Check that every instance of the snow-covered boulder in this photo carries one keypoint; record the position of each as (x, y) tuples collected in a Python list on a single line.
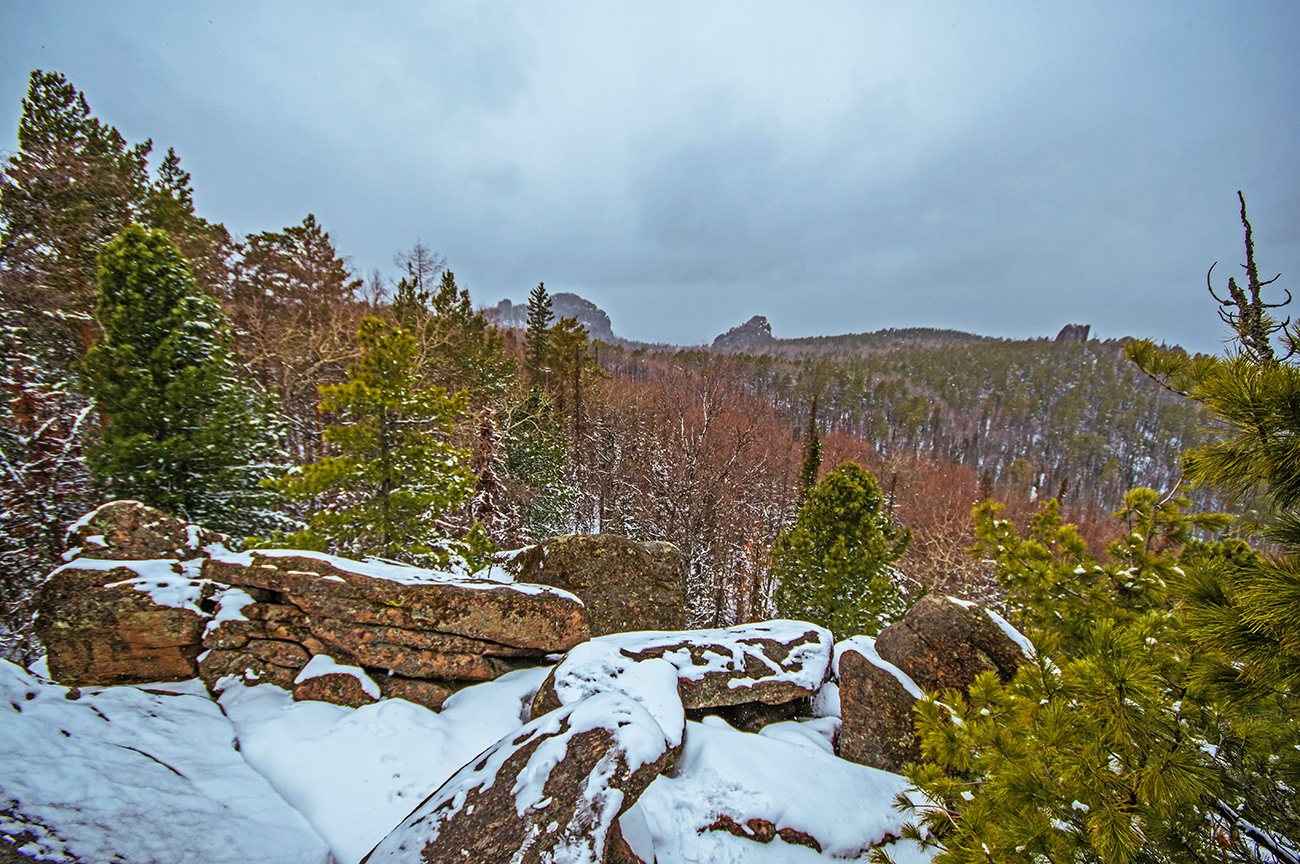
[(772, 662), (131, 604), (114, 622), (132, 531), (876, 701), (625, 584), (125, 775), (772, 798), (549, 792), (944, 642), (423, 634)]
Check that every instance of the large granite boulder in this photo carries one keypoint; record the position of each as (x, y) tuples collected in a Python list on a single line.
[(944, 642), (876, 702), (131, 605), (626, 585), (549, 792), (772, 662), (122, 622), (410, 599)]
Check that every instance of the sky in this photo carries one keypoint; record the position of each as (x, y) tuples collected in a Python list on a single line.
[(995, 167)]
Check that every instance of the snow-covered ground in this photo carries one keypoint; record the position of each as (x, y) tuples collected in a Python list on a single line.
[(164, 773)]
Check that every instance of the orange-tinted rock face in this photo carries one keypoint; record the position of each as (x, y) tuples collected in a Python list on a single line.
[(149, 598), (98, 635)]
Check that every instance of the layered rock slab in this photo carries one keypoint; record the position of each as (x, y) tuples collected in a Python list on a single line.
[(549, 792), (410, 598), (772, 662), (424, 634), (626, 585)]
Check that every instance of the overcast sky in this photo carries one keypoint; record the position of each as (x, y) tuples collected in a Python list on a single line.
[(1000, 168)]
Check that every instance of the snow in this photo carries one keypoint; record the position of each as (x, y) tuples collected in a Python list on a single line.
[(310, 779), (323, 664), (1013, 634), (636, 736), (866, 646), (230, 607), (724, 772), (403, 574), (168, 582), (598, 666), (826, 702), (75, 773), (355, 773)]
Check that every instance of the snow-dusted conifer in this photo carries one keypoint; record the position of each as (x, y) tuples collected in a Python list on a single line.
[(391, 474), (179, 432), (834, 562)]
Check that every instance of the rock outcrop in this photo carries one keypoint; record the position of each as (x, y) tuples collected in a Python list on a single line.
[(550, 792), (430, 633), (131, 604), (1077, 333), (119, 613), (563, 305), (755, 331), (625, 585), (943, 642)]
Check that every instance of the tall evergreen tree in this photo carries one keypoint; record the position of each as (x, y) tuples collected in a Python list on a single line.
[(390, 475), (295, 308), (537, 335), (179, 432), (72, 184), (833, 564), (571, 364), (207, 246), (461, 350)]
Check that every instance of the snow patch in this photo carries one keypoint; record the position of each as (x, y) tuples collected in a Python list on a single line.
[(323, 664), (143, 776)]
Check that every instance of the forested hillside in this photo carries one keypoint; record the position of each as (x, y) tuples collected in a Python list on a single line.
[(1041, 418), (542, 431)]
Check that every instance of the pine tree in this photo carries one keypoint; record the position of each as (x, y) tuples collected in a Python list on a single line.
[(462, 350), (179, 432), (295, 307), (537, 336), (833, 564), (1244, 610), (1095, 752), (391, 474), (571, 364), (169, 205), (72, 185)]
